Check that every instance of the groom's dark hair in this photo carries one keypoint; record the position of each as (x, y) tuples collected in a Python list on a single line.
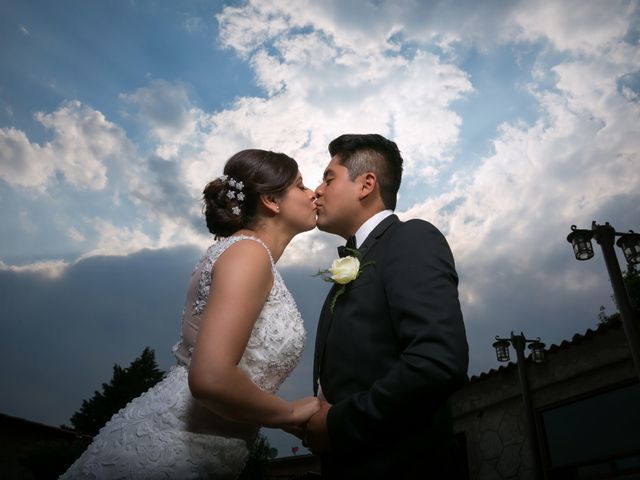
[(361, 153)]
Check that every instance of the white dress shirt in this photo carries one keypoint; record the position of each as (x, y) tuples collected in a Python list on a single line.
[(367, 227)]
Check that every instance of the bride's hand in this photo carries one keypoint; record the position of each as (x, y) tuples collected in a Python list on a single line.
[(303, 410)]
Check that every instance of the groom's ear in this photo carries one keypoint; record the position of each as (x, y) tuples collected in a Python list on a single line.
[(368, 183)]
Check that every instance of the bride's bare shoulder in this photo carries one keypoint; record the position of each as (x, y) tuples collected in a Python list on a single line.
[(244, 257)]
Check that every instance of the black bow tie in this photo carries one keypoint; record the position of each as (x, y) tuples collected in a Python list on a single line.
[(351, 243)]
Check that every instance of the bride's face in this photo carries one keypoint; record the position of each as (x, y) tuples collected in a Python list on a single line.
[(298, 206)]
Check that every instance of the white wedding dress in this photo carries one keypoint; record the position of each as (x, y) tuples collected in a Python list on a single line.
[(165, 433)]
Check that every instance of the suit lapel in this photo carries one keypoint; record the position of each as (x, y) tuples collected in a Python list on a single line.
[(375, 235), (326, 316)]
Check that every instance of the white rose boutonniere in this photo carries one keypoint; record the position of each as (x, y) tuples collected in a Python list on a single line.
[(342, 272)]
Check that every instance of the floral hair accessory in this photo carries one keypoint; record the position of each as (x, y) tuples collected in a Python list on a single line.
[(342, 272), (235, 184), (234, 192)]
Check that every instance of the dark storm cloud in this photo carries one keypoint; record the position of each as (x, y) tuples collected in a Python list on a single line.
[(62, 336)]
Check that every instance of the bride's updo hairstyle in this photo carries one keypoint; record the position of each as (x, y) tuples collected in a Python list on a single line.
[(231, 201)]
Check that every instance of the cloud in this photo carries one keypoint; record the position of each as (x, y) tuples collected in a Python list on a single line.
[(159, 231), (579, 154), (316, 88), (590, 27), (325, 71), (247, 27), (507, 219), (87, 150), (365, 27), (21, 163), (539, 180), (119, 240), (75, 235), (49, 268), (82, 144), (164, 108), (333, 67), (308, 63), (359, 27), (310, 250)]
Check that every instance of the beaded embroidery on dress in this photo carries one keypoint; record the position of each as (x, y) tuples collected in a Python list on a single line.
[(165, 433)]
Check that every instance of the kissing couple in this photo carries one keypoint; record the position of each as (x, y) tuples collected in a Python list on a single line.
[(390, 348)]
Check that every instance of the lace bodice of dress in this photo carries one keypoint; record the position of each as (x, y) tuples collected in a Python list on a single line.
[(278, 336)]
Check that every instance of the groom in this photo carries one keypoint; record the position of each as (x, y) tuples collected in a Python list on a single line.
[(393, 348)]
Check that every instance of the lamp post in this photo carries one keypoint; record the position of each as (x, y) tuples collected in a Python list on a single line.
[(537, 355), (630, 244)]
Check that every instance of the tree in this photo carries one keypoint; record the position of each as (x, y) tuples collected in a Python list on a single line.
[(125, 385), (632, 283)]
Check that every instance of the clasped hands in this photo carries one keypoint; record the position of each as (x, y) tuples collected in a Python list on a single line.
[(312, 425)]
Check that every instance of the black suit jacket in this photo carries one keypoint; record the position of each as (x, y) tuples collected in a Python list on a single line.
[(390, 355)]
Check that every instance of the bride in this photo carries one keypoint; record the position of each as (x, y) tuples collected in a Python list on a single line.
[(241, 337)]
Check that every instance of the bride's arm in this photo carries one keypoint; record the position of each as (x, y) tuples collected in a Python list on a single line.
[(241, 281)]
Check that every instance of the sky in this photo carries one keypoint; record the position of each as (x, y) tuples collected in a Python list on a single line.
[(515, 119)]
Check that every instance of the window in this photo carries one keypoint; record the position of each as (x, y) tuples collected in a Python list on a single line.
[(595, 437)]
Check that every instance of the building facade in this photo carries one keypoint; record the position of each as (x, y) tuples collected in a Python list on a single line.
[(586, 402)]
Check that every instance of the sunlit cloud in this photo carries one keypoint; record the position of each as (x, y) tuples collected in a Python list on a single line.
[(83, 142), (325, 71), (114, 240), (52, 269)]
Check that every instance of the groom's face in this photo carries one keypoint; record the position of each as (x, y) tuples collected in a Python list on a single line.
[(337, 200)]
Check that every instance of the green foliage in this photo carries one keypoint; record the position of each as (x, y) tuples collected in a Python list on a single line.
[(632, 283), (125, 385), (259, 456)]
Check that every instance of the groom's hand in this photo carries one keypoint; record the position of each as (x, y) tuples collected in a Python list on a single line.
[(317, 436)]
